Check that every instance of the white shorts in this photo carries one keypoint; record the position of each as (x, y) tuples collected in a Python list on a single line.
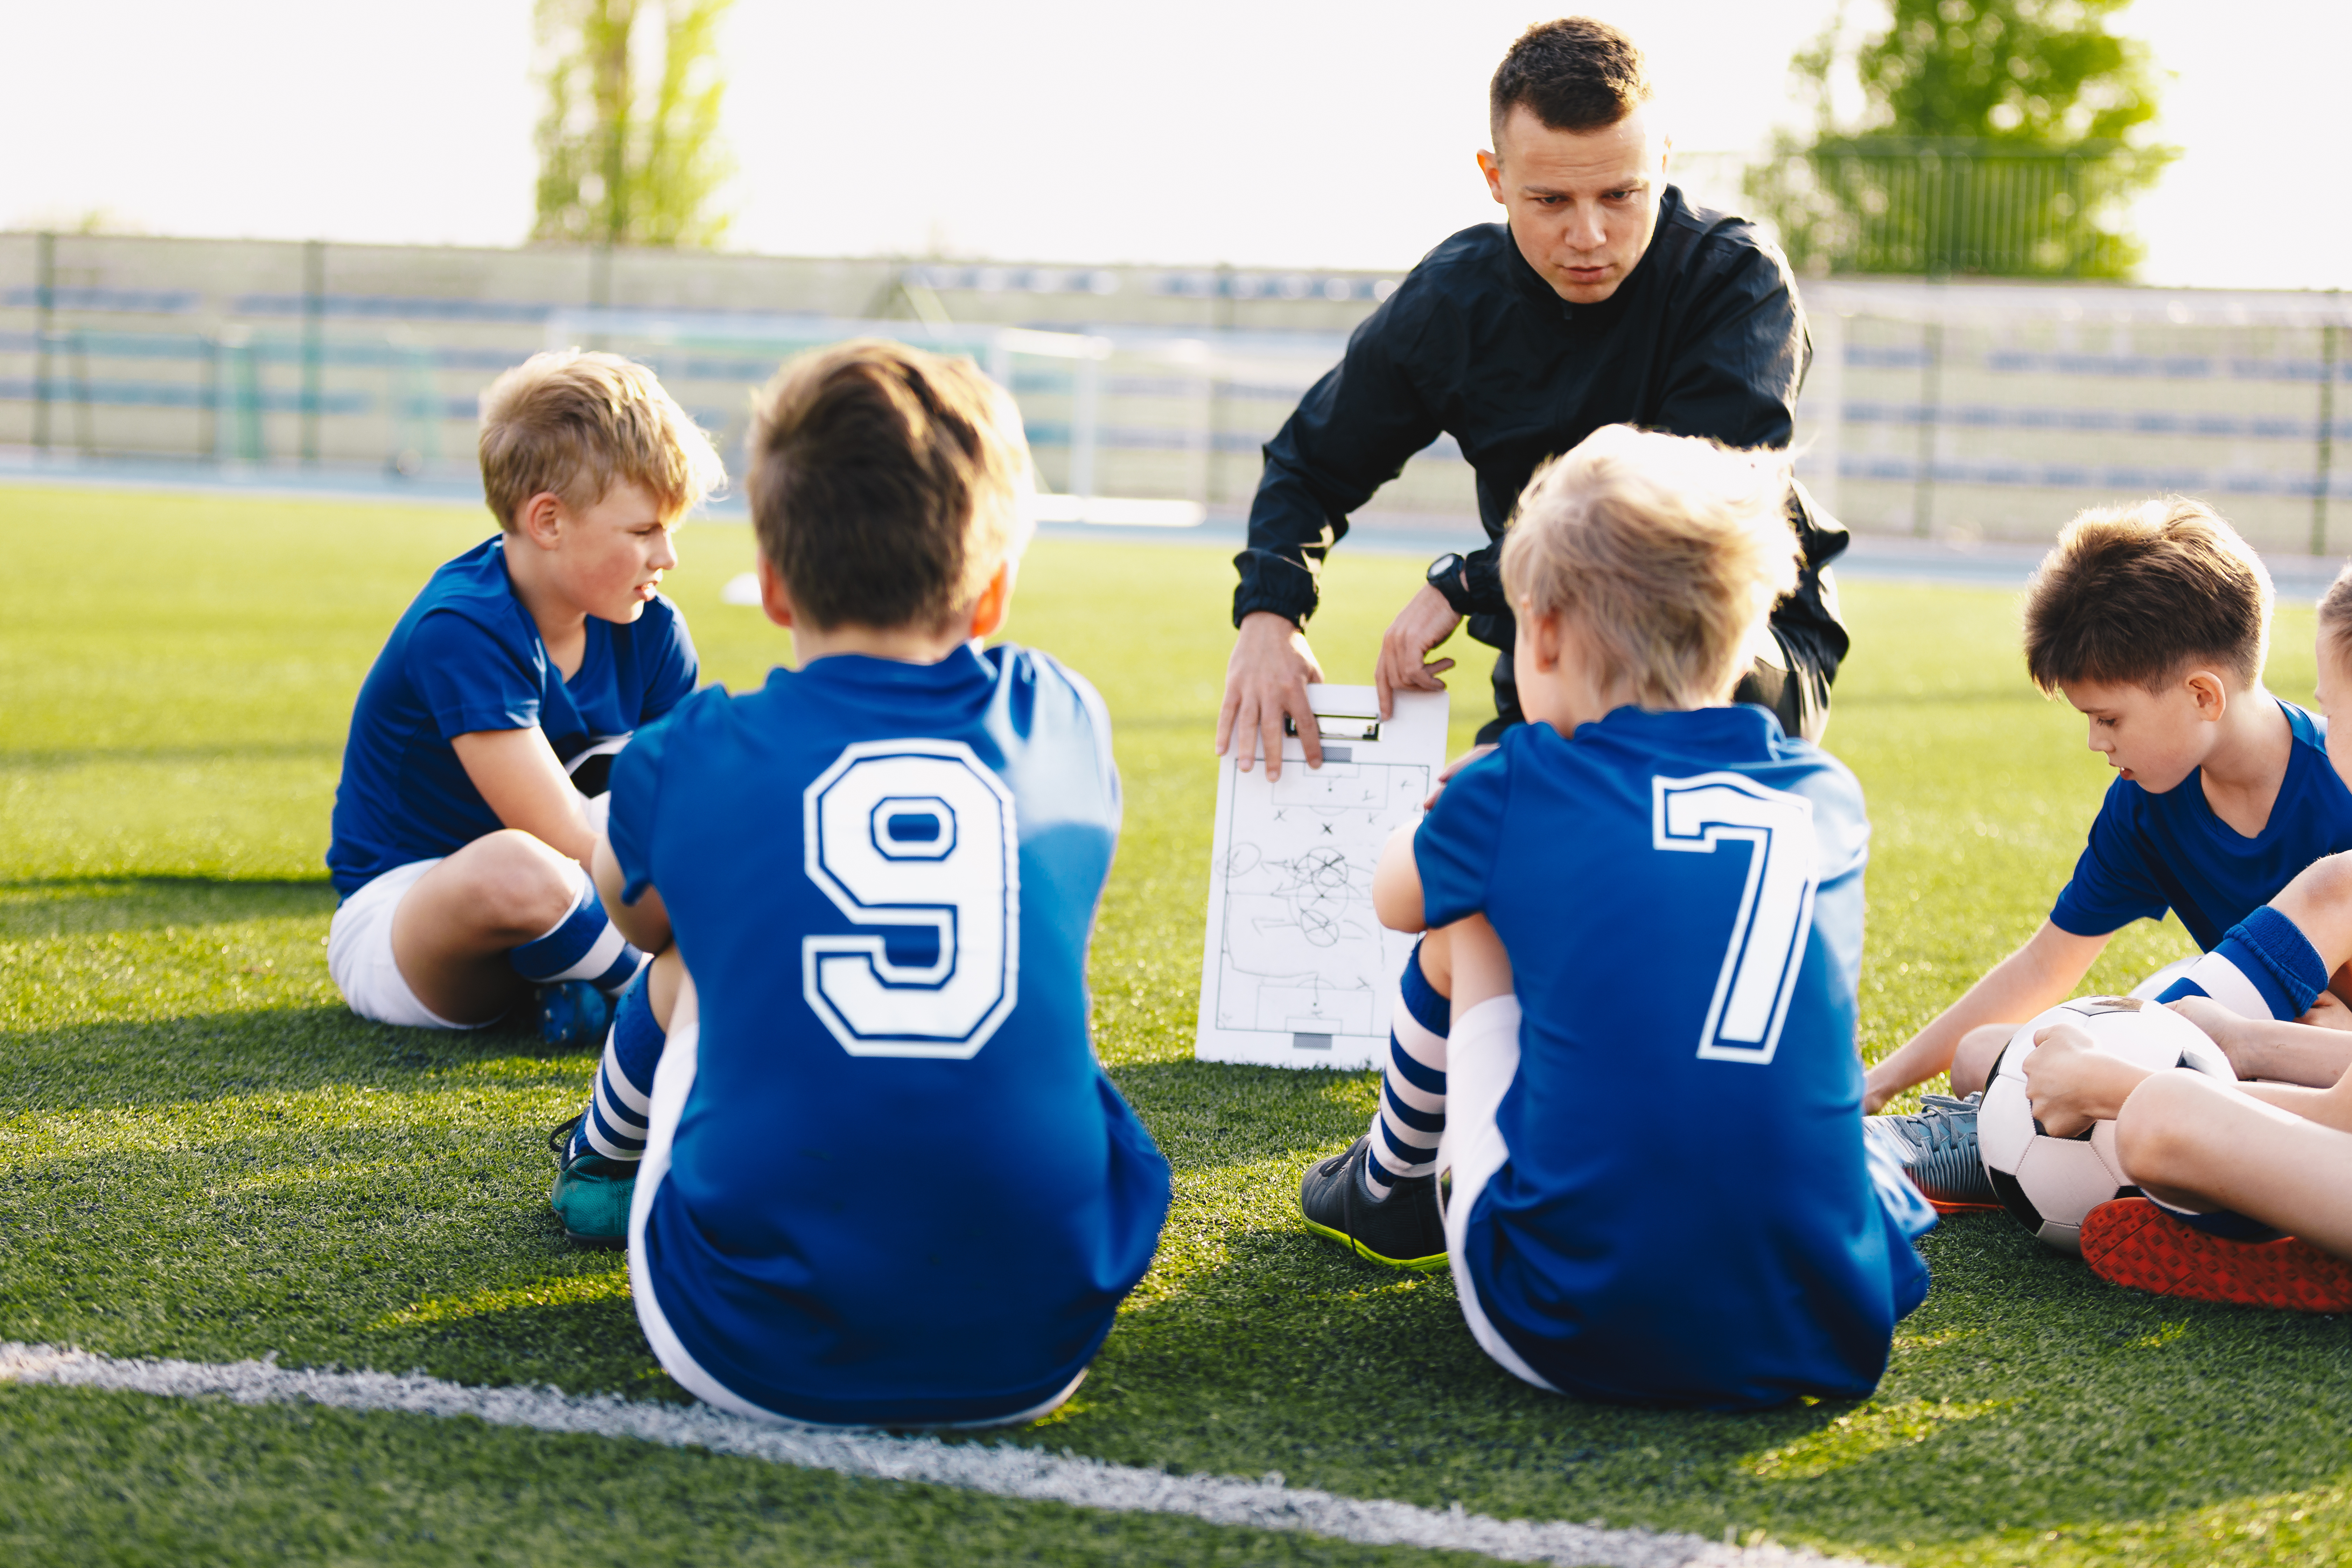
[(359, 953), (1482, 1058)]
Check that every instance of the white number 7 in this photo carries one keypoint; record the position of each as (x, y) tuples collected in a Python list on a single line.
[(1776, 905)]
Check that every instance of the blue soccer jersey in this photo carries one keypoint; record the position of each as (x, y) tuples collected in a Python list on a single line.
[(899, 1188), (1685, 1216), (2149, 853), (466, 657)]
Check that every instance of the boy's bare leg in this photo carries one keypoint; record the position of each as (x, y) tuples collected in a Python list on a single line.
[(2198, 1143), (1476, 968), (453, 928), (2270, 1050), (1974, 1058), (665, 984)]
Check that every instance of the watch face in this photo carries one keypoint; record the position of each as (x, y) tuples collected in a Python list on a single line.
[(1445, 565)]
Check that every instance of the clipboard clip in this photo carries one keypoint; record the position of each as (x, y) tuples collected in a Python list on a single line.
[(1338, 726)]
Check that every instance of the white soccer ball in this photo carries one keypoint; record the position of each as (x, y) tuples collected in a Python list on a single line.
[(2050, 1183)]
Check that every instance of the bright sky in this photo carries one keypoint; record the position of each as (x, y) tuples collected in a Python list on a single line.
[(1267, 133)]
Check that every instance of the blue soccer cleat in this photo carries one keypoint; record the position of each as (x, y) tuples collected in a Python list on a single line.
[(591, 1193), (573, 1016)]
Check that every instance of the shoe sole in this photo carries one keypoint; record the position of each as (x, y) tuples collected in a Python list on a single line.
[(1947, 1206), (2131, 1242), (1416, 1265)]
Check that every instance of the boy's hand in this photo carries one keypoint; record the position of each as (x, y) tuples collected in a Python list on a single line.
[(2221, 1026), (2072, 1083), (1455, 767)]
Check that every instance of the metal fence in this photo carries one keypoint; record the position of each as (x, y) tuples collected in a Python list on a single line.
[(1953, 411), (1938, 208)]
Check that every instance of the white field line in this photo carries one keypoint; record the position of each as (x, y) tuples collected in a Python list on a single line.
[(1007, 1470)]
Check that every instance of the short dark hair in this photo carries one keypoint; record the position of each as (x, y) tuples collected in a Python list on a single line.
[(2130, 594), (885, 483), (1575, 74)]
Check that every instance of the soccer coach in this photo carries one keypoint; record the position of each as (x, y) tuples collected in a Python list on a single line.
[(1606, 299)]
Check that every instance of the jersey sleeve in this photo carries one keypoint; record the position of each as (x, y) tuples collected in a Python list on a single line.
[(2112, 885), (672, 667), (636, 787), (1456, 843), (470, 678)]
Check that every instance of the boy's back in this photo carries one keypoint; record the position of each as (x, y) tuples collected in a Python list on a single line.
[(1686, 1215), (903, 1192)]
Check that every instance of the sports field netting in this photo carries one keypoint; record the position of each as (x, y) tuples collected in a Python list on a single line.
[(203, 1156)]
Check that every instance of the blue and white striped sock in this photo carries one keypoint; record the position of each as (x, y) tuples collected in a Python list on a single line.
[(1411, 1117), (2265, 968), (582, 945), (614, 1125)]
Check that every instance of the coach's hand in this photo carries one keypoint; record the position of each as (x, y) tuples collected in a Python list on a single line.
[(1266, 681), (1425, 621)]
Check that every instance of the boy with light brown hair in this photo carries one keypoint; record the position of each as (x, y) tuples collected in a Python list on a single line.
[(1629, 1033), (884, 1179), (466, 812), (2153, 621)]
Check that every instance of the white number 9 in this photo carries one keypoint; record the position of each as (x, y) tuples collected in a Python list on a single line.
[(913, 834)]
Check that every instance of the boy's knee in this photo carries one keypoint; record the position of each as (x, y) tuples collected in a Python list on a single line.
[(520, 881), (2157, 1127), (1978, 1051)]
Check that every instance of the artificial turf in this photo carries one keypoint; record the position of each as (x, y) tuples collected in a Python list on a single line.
[(203, 1155)]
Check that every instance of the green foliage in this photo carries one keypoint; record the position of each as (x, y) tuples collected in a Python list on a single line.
[(614, 170), (204, 1155), (2002, 137)]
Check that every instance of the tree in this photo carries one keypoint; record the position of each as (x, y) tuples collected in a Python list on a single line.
[(1997, 136), (611, 170)]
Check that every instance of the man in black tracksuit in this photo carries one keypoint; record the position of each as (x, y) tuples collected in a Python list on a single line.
[(1606, 299)]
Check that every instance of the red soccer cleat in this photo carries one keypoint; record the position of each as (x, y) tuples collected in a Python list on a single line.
[(2132, 1242)]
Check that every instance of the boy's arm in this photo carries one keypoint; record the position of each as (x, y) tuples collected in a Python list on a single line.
[(519, 776), (2040, 975), (2271, 1047), (1396, 885), (644, 922)]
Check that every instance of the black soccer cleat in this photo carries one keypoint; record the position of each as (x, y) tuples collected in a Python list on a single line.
[(1938, 1149), (1404, 1232)]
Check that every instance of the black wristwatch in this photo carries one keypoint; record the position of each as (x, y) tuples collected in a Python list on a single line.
[(1446, 575)]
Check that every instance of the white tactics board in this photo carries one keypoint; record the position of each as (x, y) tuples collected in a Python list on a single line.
[(1297, 971)]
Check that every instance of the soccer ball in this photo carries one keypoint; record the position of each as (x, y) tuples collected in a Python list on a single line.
[(2050, 1183)]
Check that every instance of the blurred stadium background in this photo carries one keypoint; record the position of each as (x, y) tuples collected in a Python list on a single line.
[(1955, 411)]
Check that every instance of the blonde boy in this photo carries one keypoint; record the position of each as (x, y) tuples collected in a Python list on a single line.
[(463, 820), (1645, 918)]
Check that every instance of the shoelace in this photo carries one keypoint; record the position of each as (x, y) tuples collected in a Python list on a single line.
[(1939, 1117)]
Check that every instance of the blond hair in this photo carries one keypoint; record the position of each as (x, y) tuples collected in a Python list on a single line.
[(1666, 551), (572, 424), (2336, 617), (2130, 594), (887, 484)]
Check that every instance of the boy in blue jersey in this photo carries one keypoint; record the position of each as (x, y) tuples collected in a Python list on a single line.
[(464, 819), (1634, 1015), (2153, 621), (884, 1180)]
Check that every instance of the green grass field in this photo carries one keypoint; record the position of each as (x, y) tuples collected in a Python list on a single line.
[(204, 1155)]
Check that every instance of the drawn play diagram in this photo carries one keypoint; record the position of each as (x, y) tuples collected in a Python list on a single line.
[(1297, 972)]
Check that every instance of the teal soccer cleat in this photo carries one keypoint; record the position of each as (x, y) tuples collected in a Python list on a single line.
[(591, 1193)]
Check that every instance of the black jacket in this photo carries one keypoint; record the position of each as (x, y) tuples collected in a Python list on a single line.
[(1704, 337)]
